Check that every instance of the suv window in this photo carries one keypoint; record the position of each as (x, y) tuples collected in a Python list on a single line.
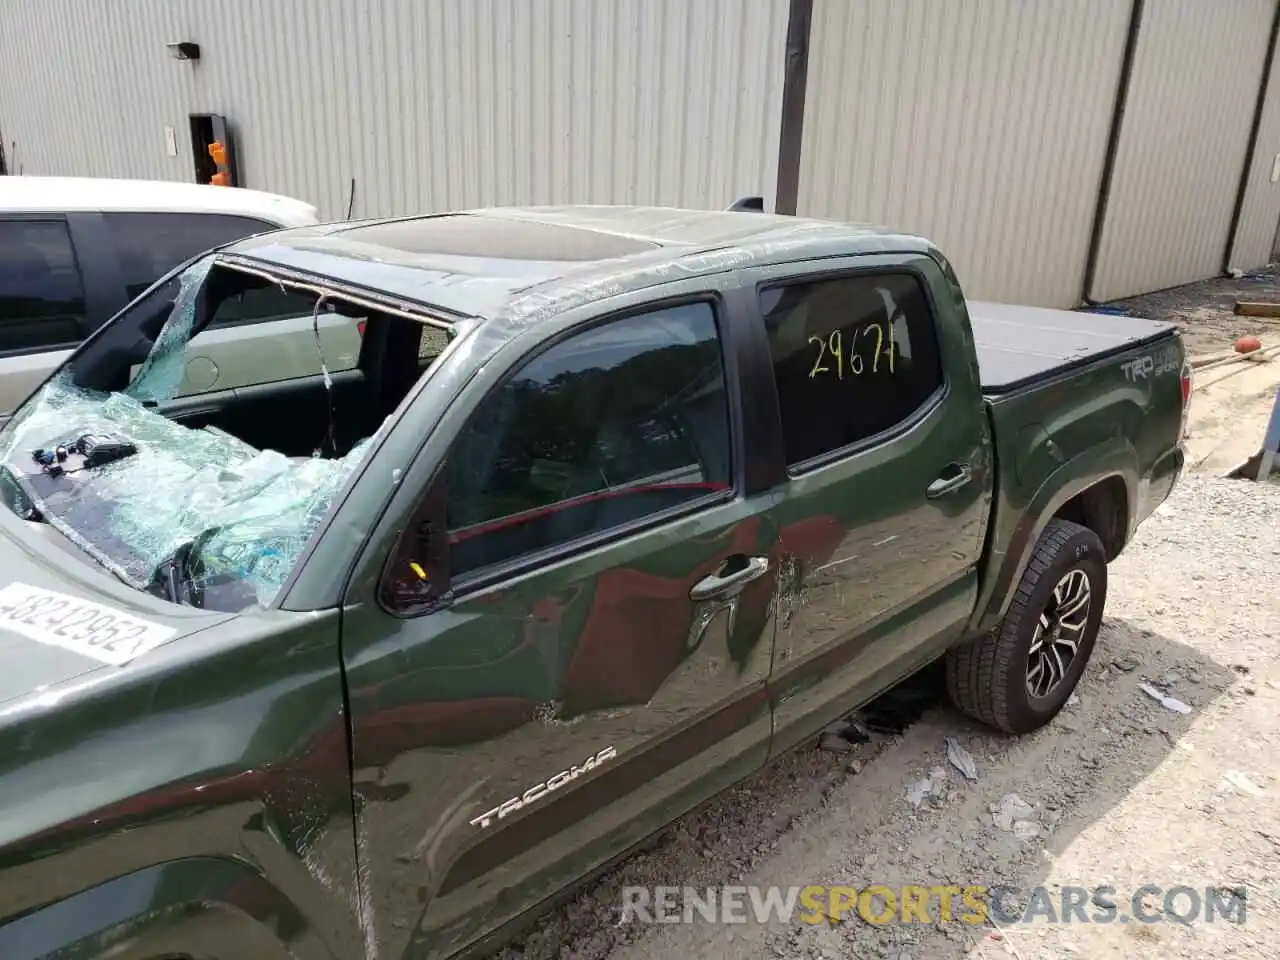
[(41, 296), (607, 427), (264, 303), (149, 245), (852, 358)]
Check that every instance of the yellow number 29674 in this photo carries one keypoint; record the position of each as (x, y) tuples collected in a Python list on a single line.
[(833, 344)]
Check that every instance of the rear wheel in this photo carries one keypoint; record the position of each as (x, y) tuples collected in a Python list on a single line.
[(1017, 677)]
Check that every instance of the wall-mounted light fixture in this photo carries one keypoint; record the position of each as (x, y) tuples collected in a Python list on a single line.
[(184, 50)]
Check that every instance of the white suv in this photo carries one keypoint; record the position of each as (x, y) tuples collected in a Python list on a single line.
[(73, 252)]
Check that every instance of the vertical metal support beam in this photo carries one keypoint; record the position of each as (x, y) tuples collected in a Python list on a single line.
[(1271, 445), (1113, 144), (1258, 106), (791, 132)]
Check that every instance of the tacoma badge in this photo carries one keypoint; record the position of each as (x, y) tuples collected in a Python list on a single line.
[(540, 790)]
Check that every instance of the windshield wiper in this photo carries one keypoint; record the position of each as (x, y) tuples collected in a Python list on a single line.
[(172, 579), (16, 497)]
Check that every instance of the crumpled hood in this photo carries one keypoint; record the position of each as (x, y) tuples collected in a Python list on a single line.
[(45, 647)]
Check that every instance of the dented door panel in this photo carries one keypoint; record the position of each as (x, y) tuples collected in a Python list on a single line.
[(880, 542), (509, 744), (877, 580), (543, 721)]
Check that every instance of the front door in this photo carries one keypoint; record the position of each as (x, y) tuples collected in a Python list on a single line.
[(886, 446), (601, 666)]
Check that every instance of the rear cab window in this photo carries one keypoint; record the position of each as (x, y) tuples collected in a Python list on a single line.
[(853, 357), (621, 423), (42, 302)]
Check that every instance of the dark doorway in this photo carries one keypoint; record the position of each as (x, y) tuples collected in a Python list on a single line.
[(206, 130)]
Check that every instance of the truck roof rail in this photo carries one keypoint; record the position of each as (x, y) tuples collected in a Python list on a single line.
[(748, 205)]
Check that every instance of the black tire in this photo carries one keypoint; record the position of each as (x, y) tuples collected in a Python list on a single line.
[(988, 678)]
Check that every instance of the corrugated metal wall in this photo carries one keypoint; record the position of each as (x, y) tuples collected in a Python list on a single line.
[(428, 104), (1260, 213), (1197, 71), (982, 125)]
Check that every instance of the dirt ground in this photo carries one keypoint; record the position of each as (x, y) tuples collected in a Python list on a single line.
[(1124, 791), (1119, 790), (1204, 312)]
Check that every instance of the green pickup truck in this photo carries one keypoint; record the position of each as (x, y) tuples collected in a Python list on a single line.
[(614, 505)]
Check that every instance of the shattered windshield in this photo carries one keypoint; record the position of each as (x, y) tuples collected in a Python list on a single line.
[(198, 466)]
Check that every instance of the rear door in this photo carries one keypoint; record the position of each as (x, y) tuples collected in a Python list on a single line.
[(596, 661), (886, 448)]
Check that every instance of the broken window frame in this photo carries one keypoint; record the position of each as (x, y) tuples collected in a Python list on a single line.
[(66, 374)]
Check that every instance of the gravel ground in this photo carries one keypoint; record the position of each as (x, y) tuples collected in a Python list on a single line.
[(1204, 312), (1123, 791)]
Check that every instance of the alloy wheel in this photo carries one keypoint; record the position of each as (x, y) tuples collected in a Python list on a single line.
[(1058, 633)]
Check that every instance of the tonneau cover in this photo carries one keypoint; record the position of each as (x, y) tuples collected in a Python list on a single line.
[(1018, 346)]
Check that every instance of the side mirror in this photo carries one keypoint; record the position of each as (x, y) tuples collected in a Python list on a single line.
[(415, 578), (748, 205)]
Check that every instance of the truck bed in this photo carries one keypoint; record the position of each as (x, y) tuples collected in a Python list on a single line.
[(1019, 346)]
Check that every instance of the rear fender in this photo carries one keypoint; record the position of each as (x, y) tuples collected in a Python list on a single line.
[(1114, 458), (203, 908)]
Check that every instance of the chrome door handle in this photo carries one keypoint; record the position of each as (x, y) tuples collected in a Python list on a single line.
[(956, 476), (717, 586)]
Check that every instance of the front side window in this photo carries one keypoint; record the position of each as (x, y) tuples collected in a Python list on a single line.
[(41, 296), (608, 427), (149, 245), (853, 357)]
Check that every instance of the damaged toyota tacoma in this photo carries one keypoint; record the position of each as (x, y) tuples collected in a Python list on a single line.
[(579, 516)]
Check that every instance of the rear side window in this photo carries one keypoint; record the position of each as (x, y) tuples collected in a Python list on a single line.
[(41, 296), (605, 428), (149, 245), (853, 357)]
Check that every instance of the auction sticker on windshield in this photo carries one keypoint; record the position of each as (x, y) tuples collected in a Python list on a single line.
[(89, 629)]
